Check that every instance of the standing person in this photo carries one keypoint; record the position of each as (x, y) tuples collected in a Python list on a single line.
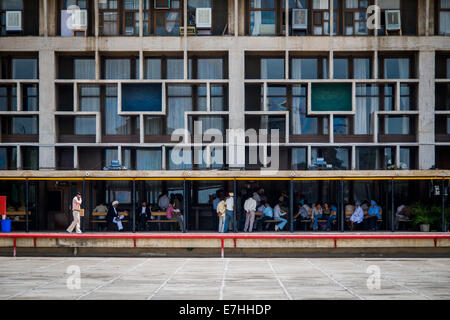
[(277, 215), (163, 202), (142, 213), (229, 205), (76, 207), (221, 213), (249, 208)]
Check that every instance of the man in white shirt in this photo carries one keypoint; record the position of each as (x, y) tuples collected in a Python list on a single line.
[(277, 215), (229, 204), (76, 207), (163, 202), (249, 208)]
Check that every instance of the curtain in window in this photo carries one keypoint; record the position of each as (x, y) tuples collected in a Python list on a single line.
[(389, 4), (366, 159), (115, 124), (351, 4), (304, 69), (361, 68), (84, 68), (299, 158), (110, 155), (117, 69), (444, 23), (89, 98), (24, 68), (366, 105), (217, 98), (396, 68), (185, 165), (30, 158), (153, 126), (448, 125), (110, 23), (405, 158), (179, 102), (11, 5), (212, 123), (320, 4), (301, 124), (24, 125), (209, 69), (153, 69), (85, 125), (272, 68), (175, 69), (396, 125), (148, 159)]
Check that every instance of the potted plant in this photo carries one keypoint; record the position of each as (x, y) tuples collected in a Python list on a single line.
[(424, 216)]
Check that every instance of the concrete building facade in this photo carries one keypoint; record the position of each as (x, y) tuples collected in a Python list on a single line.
[(344, 96)]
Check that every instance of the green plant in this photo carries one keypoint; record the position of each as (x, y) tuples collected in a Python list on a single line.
[(424, 214)]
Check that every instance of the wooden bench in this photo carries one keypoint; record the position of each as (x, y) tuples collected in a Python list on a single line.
[(100, 217), (21, 214), (259, 213), (159, 218)]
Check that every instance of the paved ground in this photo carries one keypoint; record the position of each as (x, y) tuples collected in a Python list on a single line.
[(229, 278)]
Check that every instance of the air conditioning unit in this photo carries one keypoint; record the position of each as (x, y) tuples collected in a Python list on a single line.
[(203, 18), (162, 4), (79, 19), (393, 20), (299, 19), (13, 20)]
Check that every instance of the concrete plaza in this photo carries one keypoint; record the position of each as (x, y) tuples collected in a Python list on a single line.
[(229, 278)]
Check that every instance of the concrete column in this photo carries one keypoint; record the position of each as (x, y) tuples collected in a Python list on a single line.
[(75, 158), (45, 18), (331, 18), (236, 91), (47, 132), (19, 158), (426, 123), (353, 165)]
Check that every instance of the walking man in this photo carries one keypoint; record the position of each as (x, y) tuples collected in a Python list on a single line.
[(76, 207)]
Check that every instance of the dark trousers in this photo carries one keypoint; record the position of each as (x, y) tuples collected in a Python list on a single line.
[(261, 221), (142, 226), (372, 222)]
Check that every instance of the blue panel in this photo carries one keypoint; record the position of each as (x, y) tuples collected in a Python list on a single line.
[(142, 97)]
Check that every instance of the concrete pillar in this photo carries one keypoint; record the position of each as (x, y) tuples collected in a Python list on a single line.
[(236, 91), (47, 108), (19, 158), (426, 126), (76, 164)]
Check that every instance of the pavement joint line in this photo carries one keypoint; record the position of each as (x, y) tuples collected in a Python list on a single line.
[(396, 283), (424, 272), (335, 281), (222, 287), (279, 280), (168, 279), (112, 280), (52, 281)]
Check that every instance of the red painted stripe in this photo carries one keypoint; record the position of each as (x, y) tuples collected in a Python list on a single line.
[(223, 236)]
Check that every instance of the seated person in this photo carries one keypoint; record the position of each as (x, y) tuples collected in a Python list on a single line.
[(304, 213), (349, 210), (402, 213), (373, 216), (113, 217), (175, 213), (317, 214), (358, 216), (267, 213), (100, 208), (277, 215), (332, 217)]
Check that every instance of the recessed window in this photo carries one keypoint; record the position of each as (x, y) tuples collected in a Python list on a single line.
[(355, 17), (331, 97), (396, 68), (8, 158), (30, 97), (334, 158), (352, 68), (89, 97), (85, 125), (309, 68), (444, 17), (298, 159), (141, 97), (8, 98), (24, 125), (121, 68), (262, 18), (24, 68), (272, 68)]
